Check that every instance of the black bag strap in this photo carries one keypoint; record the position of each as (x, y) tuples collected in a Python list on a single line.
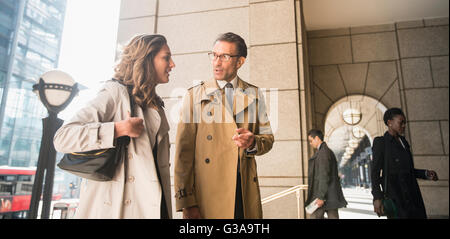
[(130, 95), (124, 141)]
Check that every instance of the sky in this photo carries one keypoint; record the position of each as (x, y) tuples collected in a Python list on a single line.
[(88, 46)]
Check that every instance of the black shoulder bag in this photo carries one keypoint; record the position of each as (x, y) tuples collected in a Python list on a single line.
[(98, 165), (389, 207)]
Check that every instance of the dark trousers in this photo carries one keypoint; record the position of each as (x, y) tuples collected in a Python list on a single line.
[(320, 214), (238, 207)]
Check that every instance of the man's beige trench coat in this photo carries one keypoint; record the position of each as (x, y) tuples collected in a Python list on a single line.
[(134, 192), (206, 156)]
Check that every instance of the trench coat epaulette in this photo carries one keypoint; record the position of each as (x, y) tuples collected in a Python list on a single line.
[(195, 85)]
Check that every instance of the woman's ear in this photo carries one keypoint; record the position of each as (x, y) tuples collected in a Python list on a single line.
[(389, 123)]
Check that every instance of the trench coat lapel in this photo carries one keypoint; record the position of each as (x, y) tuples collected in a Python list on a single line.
[(164, 126), (243, 96), (152, 126), (211, 88), (213, 93)]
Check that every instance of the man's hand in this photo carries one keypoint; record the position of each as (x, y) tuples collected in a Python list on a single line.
[(132, 126), (191, 213), (320, 203), (378, 207), (244, 138)]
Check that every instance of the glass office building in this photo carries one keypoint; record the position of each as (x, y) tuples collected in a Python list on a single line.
[(30, 39)]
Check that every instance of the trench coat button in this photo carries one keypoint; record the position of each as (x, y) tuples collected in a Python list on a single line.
[(127, 202), (209, 137), (206, 160), (397, 160), (131, 179)]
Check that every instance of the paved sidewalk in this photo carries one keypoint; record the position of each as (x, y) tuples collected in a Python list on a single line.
[(359, 204)]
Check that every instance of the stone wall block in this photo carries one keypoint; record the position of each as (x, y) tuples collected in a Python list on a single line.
[(329, 32), (375, 47), (174, 7), (284, 115), (194, 33), (274, 66), (425, 138), (330, 50), (354, 76), (272, 22), (137, 8), (380, 77), (439, 66), (392, 97), (329, 80), (283, 153), (410, 24), (132, 27), (429, 41), (321, 102), (440, 21), (427, 104), (372, 29), (416, 73)]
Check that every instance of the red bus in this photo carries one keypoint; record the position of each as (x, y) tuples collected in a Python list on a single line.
[(16, 185)]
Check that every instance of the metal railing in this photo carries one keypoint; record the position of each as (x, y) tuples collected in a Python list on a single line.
[(286, 192)]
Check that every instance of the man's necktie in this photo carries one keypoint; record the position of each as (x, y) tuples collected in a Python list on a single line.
[(229, 95)]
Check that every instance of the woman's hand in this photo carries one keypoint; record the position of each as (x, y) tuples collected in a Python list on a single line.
[(432, 175), (378, 207), (132, 126)]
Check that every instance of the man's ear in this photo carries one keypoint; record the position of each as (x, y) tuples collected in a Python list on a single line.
[(240, 61)]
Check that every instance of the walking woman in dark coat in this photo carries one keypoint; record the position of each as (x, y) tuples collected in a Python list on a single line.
[(402, 186)]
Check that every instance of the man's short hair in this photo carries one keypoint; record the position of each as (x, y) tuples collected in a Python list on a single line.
[(315, 132), (236, 39), (391, 113)]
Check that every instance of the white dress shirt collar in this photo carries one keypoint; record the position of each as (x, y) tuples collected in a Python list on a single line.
[(222, 83), (319, 146)]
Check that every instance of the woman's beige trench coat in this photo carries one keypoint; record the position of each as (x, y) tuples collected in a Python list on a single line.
[(206, 157), (134, 192)]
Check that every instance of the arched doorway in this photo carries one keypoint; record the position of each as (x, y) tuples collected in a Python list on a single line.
[(350, 126)]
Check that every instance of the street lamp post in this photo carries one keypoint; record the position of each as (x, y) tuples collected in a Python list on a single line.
[(55, 89)]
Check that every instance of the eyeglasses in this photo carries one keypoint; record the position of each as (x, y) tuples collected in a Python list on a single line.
[(224, 57)]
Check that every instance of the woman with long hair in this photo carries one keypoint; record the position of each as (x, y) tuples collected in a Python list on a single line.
[(141, 185)]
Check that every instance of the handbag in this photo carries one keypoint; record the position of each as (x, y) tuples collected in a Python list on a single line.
[(98, 165), (389, 207)]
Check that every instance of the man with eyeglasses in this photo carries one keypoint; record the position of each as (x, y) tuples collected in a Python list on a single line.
[(223, 125)]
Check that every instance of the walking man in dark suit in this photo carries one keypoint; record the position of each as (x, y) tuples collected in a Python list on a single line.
[(323, 180)]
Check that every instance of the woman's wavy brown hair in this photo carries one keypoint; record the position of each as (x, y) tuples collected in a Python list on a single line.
[(136, 68)]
